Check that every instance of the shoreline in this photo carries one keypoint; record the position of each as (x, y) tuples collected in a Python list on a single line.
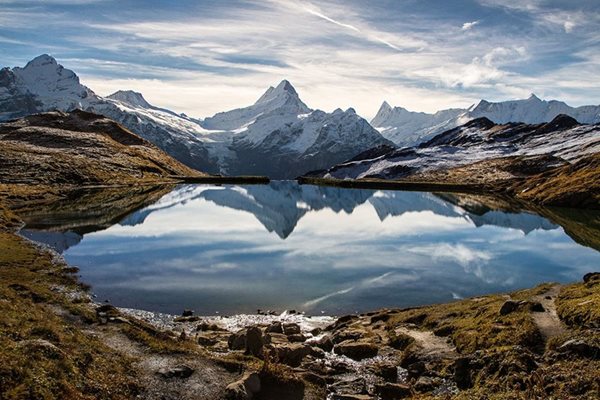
[(449, 349)]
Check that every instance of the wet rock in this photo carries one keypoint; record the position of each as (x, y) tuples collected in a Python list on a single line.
[(324, 343), (342, 322), (426, 384), (291, 354), (297, 338), (254, 341), (344, 335), (416, 369), (187, 313), (180, 371), (393, 391), (385, 370), (508, 307), (244, 388), (275, 338), (317, 352), (349, 386), (356, 350), (275, 327), (291, 329), (316, 331), (237, 340)]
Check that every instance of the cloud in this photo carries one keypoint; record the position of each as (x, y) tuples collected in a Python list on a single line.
[(469, 25)]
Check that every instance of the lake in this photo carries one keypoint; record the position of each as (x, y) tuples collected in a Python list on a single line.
[(235, 249)]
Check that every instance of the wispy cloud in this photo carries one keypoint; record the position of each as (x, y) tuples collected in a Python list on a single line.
[(469, 25)]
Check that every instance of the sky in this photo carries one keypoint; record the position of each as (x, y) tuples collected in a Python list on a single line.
[(205, 56)]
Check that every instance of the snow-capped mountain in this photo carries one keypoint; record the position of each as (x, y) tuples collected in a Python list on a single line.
[(44, 85), (278, 136), (281, 137), (564, 139), (406, 128)]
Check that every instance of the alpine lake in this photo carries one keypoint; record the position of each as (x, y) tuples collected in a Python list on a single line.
[(233, 249)]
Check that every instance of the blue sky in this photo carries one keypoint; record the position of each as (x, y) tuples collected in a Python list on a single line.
[(201, 57)]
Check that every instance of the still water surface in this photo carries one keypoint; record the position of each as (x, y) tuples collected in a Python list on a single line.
[(236, 249)]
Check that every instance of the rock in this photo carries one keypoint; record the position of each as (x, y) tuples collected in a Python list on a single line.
[(291, 354), (426, 384), (254, 341), (180, 371), (351, 397), (383, 316), (416, 369), (349, 386), (237, 341), (275, 338), (580, 348), (356, 350), (508, 307), (324, 343), (386, 370), (119, 320), (462, 375), (317, 352), (275, 327), (342, 322), (291, 329), (344, 335), (244, 388), (207, 340), (187, 313), (592, 277), (393, 391), (209, 327), (316, 331), (297, 338), (536, 306)]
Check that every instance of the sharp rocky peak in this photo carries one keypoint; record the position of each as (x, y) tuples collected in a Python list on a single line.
[(41, 61), (284, 88)]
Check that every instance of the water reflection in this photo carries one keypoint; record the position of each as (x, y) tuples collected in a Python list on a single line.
[(238, 248)]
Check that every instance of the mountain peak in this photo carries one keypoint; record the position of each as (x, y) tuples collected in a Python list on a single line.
[(284, 88), (130, 97), (41, 60)]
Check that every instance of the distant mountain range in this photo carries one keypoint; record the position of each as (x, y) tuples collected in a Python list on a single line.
[(278, 135), (407, 128)]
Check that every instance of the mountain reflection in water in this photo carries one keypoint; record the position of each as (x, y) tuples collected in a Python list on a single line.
[(318, 249)]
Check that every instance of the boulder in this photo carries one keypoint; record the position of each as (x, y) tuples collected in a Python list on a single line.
[(291, 354), (344, 335), (426, 384), (508, 307), (275, 327), (462, 373), (324, 343), (297, 338), (356, 350), (393, 391), (291, 329), (237, 340), (580, 348), (244, 388), (187, 313), (254, 341)]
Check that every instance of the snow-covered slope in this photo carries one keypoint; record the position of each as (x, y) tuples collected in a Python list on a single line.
[(480, 139), (406, 128), (281, 137)]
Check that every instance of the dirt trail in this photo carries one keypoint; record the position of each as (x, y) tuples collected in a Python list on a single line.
[(431, 344), (547, 321)]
